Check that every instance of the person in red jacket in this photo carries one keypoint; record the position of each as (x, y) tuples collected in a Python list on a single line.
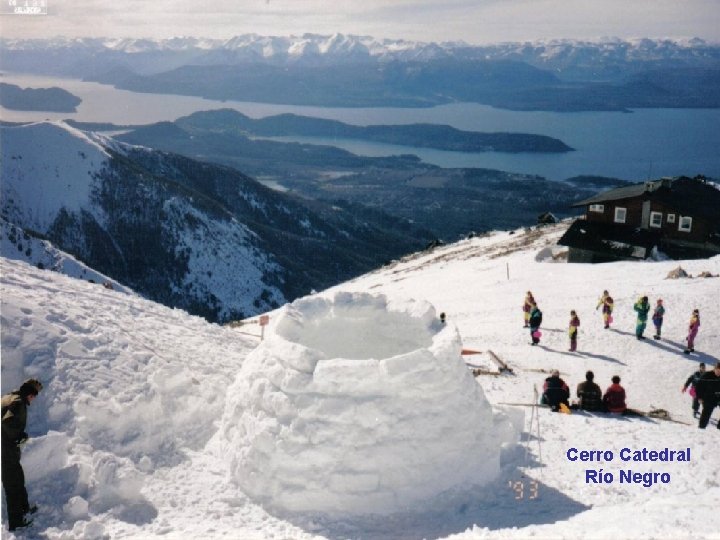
[(614, 398)]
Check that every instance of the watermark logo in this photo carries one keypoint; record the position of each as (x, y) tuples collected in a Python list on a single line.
[(23, 7)]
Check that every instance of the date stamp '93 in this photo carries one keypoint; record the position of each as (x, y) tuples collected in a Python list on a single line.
[(23, 7)]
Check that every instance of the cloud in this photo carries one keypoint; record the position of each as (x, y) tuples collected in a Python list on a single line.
[(474, 21)]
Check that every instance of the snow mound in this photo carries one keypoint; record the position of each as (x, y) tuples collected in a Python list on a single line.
[(357, 404)]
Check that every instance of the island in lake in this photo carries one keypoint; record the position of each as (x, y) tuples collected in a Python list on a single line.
[(37, 99), (439, 137)]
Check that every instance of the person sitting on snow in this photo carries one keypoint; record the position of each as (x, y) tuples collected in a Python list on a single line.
[(614, 398), (590, 394), (555, 391)]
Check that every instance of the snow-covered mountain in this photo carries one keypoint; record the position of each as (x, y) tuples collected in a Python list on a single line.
[(188, 234), (140, 429), (343, 48), (360, 71)]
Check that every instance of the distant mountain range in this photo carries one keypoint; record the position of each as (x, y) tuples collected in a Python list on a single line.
[(345, 70), (194, 235)]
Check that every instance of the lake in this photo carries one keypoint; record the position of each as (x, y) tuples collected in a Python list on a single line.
[(645, 143)]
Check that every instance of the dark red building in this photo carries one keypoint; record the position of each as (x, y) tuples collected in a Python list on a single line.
[(677, 216)]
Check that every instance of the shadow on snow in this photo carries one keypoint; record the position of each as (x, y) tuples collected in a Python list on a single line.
[(514, 500)]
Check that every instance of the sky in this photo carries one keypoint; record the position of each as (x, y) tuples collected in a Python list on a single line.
[(473, 21)]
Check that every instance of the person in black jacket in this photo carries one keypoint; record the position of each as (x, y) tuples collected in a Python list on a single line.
[(708, 391), (535, 321), (691, 383), (14, 418), (590, 394), (555, 391)]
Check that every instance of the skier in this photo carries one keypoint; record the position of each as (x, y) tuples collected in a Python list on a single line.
[(692, 384), (642, 306), (589, 393), (527, 307), (708, 389), (693, 328), (555, 391), (14, 418), (573, 330), (535, 321), (607, 303), (657, 317), (614, 398)]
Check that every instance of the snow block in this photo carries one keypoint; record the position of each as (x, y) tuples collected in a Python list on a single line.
[(357, 404)]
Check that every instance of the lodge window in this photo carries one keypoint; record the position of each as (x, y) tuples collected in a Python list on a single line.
[(685, 224), (656, 219), (671, 218), (597, 208), (620, 215)]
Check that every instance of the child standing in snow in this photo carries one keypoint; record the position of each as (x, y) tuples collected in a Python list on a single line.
[(691, 383), (527, 307), (692, 331), (642, 306), (573, 331), (657, 317), (607, 304), (535, 321)]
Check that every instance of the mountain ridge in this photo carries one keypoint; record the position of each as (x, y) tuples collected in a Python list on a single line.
[(194, 235), (360, 71)]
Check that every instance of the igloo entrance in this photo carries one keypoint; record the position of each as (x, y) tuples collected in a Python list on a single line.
[(355, 405)]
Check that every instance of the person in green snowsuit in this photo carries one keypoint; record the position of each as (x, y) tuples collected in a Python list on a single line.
[(642, 307)]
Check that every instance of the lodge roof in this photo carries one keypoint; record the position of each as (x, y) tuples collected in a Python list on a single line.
[(688, 196)]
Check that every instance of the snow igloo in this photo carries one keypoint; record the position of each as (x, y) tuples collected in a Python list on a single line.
[(358, 404)]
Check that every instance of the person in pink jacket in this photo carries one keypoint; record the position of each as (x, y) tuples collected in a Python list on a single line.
[(693, 328)]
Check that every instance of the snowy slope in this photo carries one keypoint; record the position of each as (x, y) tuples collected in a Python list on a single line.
[(17, 244), (42, 173), (135, 392)]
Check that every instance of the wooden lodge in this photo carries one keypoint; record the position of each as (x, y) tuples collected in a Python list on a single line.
[(679, 217)]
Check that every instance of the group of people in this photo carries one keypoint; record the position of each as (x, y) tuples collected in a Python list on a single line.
[(533, 319), (704, 387), (556, 394)]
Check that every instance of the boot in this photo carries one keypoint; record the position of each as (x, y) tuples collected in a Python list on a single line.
[(24, 522)]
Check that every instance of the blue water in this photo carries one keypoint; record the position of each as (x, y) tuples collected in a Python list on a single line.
[(646, 143)]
